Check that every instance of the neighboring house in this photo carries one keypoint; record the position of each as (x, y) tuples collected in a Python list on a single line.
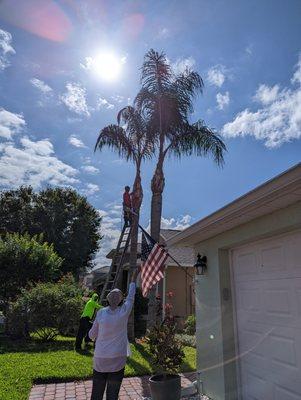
[(248, 303), (95, 279), (176, 280)]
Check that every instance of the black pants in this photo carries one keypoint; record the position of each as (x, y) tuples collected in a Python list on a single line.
[(83, 329), (111, 380)]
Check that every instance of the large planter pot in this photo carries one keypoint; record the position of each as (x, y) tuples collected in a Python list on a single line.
[(165, 387)]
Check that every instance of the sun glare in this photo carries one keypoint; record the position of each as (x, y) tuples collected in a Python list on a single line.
[(107, 66)]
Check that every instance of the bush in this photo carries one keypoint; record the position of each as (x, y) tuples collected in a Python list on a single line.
[(187, 340), (46, 309), (164, 346), (16, 319), (190, 325), (25, 259)]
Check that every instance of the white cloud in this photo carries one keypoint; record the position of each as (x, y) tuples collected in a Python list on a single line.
[(74, 141), (277, 121), (110, 229), (216, 75), (266, 94), (90, 169), (249, 50), (103, 103), (10, 123), (90, 189), (163, 33), (42, 86), (5, 48), (297, 75), (118, 98), (75, 99), (118, 161), (33, 164), (222, 100), (179, 223), (182, 64)]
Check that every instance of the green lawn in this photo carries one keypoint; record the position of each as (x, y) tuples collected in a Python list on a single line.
[(23, 363)]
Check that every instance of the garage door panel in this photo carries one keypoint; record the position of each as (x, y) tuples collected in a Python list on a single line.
[(248, 264), (285, 394), (294, 253), (272, 258), (283, 351), (268, 313), (256, 387)]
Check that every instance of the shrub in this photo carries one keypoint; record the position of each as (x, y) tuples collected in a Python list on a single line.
[(46, 309), (25, 259), (187, 340), (16, 319), (190, 325), (166, 349)]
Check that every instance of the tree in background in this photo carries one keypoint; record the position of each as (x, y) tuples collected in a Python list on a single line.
[(25, 259), (65, 219), (134, 143), (167, 99)]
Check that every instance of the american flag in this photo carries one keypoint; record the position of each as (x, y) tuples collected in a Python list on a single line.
[(153, 258)]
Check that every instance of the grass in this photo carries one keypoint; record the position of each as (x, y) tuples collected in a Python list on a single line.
[(23, 363)]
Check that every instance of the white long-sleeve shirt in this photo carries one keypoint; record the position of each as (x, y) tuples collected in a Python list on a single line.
[(110, 331)]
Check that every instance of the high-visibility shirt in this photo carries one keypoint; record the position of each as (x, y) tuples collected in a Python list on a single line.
[(90, 307)]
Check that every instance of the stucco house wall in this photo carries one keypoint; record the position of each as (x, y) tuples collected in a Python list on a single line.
[(181, 285), (268, 211), (215, 319)]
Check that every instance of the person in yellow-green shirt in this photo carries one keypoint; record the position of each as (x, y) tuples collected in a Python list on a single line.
[(85, 322)]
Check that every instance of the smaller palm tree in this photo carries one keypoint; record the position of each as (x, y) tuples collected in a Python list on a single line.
[(133, 142)]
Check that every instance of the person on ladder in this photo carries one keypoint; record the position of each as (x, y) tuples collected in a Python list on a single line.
[(127, 206)]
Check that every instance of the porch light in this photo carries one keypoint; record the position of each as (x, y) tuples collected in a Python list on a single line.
[(201, 265)]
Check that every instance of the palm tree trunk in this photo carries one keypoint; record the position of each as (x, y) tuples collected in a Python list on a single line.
[(137, 197), (157, 186)]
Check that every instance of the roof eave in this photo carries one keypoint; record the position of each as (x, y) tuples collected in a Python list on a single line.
[(253, 204)]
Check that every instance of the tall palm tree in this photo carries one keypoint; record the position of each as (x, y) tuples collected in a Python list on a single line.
[(133, 142), (167, 100)]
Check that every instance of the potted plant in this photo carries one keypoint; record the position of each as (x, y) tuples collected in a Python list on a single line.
[(168, 355)]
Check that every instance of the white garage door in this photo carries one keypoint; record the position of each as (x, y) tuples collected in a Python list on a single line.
[(267, 281)]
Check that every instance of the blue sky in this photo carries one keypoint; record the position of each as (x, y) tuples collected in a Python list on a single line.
[(55, 96)]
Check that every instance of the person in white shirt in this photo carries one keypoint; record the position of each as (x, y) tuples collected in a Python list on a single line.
[(109, 331)]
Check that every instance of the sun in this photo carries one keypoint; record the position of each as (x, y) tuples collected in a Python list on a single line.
[(107, 66)]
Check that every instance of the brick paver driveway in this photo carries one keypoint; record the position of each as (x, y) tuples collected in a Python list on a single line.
[(132, 389)]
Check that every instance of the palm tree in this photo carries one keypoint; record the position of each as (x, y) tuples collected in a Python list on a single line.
[(134, 143), (167, 99)]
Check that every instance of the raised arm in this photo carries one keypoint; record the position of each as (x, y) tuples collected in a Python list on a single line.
[(129, 301)]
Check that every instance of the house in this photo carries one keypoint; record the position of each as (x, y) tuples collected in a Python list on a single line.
[(177, 280), (95, 279), (248, 303)]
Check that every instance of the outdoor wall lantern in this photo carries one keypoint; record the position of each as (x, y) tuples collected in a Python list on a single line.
[(201, 265)]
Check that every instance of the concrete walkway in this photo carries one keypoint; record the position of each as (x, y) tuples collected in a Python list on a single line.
[(135, 388)]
